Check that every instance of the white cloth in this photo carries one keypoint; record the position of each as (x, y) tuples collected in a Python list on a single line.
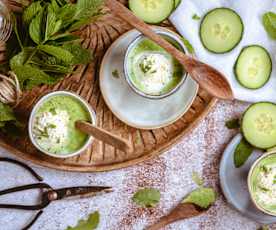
[(251, 12)]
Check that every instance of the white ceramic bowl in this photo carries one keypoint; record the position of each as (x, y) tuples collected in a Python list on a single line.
[(249, 183), (37, 106), (133, 44)]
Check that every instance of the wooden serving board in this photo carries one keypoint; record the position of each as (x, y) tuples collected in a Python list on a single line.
[(85, 81)]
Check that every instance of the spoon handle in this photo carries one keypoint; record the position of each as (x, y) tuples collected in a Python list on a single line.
[(104, 136), (206, 76), (164, 221)]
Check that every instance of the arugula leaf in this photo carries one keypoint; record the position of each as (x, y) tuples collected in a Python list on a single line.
[(91, 223), (203, 197), (188, 45), (269, 22), (197, 179), (242, 153), (233, 124), (57, 52), (31, 11), (30, 76), (195, 17), (35, 29), (147, 197), (81, 55)]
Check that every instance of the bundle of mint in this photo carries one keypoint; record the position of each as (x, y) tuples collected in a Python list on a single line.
[(43, 48)]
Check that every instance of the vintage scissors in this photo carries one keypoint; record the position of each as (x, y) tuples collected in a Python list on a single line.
[(49, 194)]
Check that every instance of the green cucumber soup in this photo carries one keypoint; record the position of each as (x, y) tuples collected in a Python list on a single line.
[(262, 183), (54, 124), (151, 69)]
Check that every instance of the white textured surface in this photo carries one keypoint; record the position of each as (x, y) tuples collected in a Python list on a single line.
[(251, 12), (171, 173)]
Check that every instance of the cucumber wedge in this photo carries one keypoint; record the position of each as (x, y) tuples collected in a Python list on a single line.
[(152, 11), (259, 125), (221, 30), (253, 67)]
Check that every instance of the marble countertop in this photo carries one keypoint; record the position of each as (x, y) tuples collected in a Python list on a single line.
[(170, 173)]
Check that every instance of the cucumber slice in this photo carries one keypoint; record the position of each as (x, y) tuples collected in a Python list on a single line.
[(253, 67), (221, 30), (176, 3), (259, 125), (152, 11)]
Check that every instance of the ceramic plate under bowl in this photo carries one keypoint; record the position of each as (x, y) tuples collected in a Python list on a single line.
[(131, 108), (233, 182)]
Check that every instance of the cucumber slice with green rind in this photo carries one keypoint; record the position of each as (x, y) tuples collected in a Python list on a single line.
[(221, 30), (259, 125), (253, 67), (152, 11), (176, 3)]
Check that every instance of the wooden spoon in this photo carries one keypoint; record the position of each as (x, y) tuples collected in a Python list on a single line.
[(206, 76), (182, 211), (104, 136)]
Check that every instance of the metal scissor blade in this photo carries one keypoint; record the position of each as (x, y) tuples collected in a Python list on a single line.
[(79, 192)]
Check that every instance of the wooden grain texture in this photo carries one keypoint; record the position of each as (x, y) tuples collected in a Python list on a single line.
[(205, 75), (85, 81), (180, 212)]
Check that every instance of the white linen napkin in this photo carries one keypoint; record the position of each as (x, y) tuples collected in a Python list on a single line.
[(251, 12)]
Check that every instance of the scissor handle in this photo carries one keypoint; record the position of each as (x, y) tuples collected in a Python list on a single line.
[(42, 205)]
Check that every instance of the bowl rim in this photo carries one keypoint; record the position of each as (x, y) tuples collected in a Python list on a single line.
[(254, 165), (132, 45), (37, 105)]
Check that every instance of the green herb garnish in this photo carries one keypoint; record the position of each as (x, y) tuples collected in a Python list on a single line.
[(188, 45), (269, 22), (147, 197), (233, 124), (115, 73), (91, 223), (195, 17), (242, 153), (203, 197)]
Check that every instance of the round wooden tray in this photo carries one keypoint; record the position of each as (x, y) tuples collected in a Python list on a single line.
[(102, 157)]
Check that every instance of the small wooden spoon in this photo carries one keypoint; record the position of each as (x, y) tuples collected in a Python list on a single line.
[(180, 212), (104, 136), (206, 76)]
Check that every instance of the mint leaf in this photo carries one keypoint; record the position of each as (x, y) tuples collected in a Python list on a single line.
[(81, 55), (91, 223), (6, 113), (57, 52), (36, 28), (202, 197), (195, 17), (21, 58), (269, 22), (188, 45), (30, 77), (233, 124), (31, 11), (242, 153), (147, 197), (52, 26)]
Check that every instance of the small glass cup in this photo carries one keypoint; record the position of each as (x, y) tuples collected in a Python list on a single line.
[(5, 23)]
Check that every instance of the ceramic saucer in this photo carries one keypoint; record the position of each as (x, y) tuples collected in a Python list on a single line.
[(131, 108), (233, 182)]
